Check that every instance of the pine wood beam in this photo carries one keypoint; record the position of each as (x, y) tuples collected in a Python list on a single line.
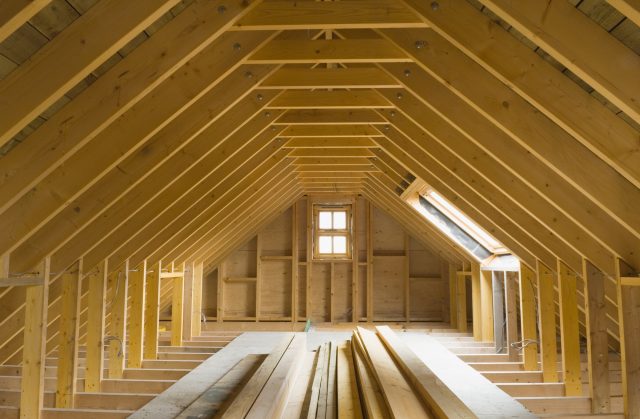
[(529, 75), (597, 338), (94, 369), (330, 117), (135, 323), (569, 334), (196, 317), (547, 323), (326, 152), (582, 46), (336, 99), (118, 283), (301, 132), (629, 8), (461, 297), (329, 78), (35, 338), (67, 371), (71, 56), (286, 15), (345, 51), (511, 315), (486, 295), (140, 72), (476, 301), (528, 318), (177, 310), (628, 310), (152, 312), (15, 13)]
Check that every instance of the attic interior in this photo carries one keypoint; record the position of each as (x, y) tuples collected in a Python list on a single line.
[(319, 209)]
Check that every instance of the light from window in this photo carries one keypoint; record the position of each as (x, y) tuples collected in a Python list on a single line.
[(332, 231)]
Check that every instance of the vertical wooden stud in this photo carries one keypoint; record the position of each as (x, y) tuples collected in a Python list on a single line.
[(177, 310), (476, 301), (294, 263), (355, 258), (597, 337), (369, 262), (547, 323), (309, 270), (332, 287), (67, 371), (222, 274), (569, 335), (196, 315), (258, 276), (528, 318), (405, 278), (187, 316), (461, 297), (453, 293), (486, 294), (95, 329), (152, 312), (135, 324), (628, 315), (511, 309), (33, 353), (118, 284)]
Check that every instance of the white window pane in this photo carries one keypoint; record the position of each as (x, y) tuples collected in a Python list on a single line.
[(324, 244), (340, 245), (324, 220), (340, 220)]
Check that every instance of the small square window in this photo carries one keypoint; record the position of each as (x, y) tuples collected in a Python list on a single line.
[(332, 232)]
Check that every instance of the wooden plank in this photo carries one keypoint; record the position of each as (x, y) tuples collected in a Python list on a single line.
[(135, 322), (569, 333), (15, 13), (22, 281), (373, 401), (94, 368), (118, 283), (608, 66), (213, 400), (348, 397), (452, 278), (295, 257), (476, 301), (631, 281), (152, 312), (628, 312), (528, 318), (629, 8), (355, 259), (486, 294), (325, 78), (187, 317), (67, 371), (330, 152), (547, 323), (177, 311), (331, 388), (597, 338), (243, 402), (196, 315), (370, 261), (310, 409), (259, 244), (336, 99), (330, 117), (70, 57), (286, 15), (511, 307), (400, 398), (440, 399), (33, 354), (274, 396)]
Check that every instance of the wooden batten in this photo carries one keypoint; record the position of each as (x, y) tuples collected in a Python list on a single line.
[(118, 284), (152, 312), (476, 302), (94, 370), (569, 335), (135, 323), (547, 323), (528, 318)]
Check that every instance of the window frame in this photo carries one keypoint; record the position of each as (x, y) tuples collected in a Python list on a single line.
[(346, 232)]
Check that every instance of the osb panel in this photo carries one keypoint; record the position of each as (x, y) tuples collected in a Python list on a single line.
[(275, 288), (239, 299), (388, 289), (276, 237), (320, 292), (427, 299), (243, 262), (388, 236), (422, 263), (210, 294), (342, 292)]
